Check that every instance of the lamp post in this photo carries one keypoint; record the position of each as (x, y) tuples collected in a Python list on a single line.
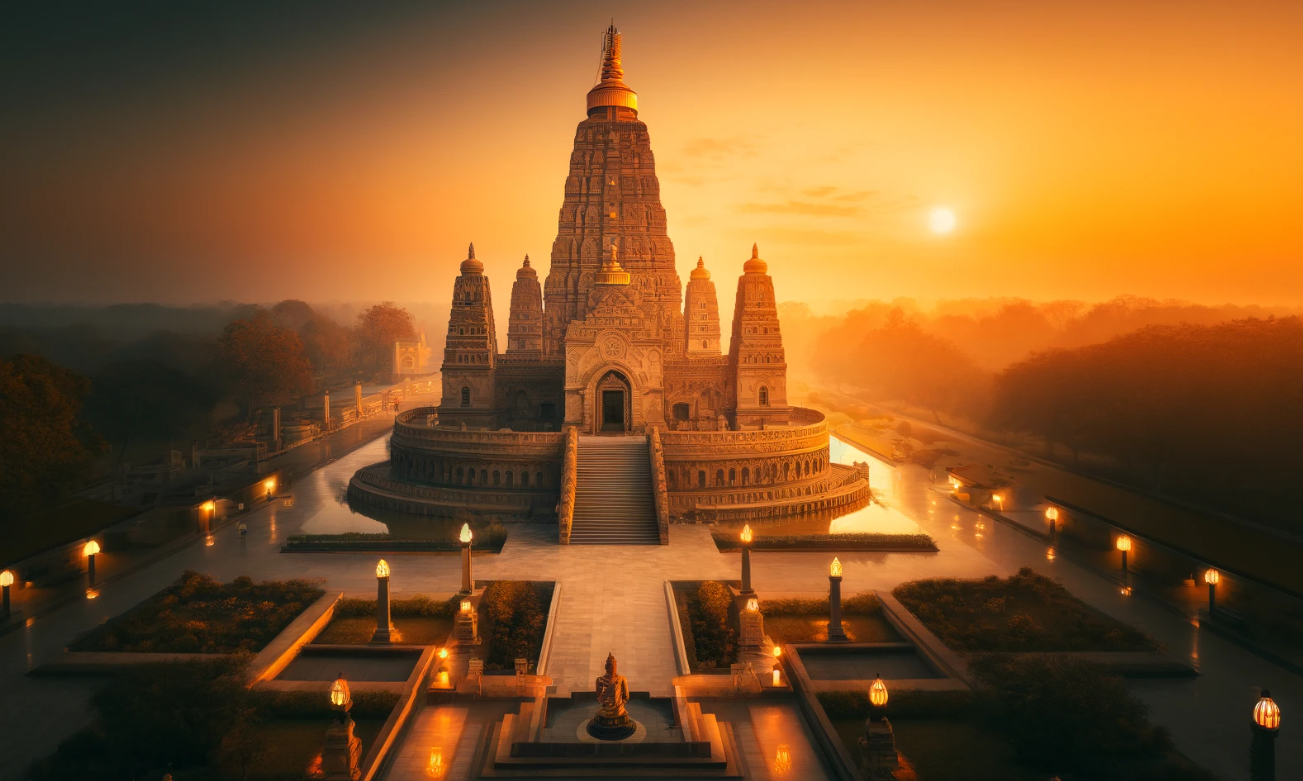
[(1212, 577), (1266, 726), (746, 560), (467, 585), (1052, 515), (835, 633), (90, 549), (878, 695), (999, 502), (6, 580), (209, 509), (778, 676), (879, 740), (384, 620), (339, 759), (1124, 545), (270, 485)]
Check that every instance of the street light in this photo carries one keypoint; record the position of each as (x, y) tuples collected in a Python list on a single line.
[(467, 585), (343, 749), (878, 693), (778, 680), (341, 699), (835, 632), (1212, 577), (384, 619), (999, 501), (90, 549), (6, 580), (1266, 726), (1124, 545), (1052, 515), (746, 560)]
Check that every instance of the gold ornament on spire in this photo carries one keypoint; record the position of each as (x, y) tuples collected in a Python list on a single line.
[(470, 265), (700, 272), (611, 89), (612, 273), (755, 265)]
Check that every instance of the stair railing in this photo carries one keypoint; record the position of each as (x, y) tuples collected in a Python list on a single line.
[(659, 490), (565, 510)]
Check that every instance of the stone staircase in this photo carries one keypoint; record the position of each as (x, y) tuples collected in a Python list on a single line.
[(614, 504)]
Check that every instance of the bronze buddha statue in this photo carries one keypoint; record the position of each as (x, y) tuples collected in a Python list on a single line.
[(612, 721)]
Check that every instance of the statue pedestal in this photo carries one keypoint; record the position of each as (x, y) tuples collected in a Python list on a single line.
[(466, 628), (342, 753), (605, 727)]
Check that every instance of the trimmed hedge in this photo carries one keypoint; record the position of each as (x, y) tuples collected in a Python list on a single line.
[(289, 704), (514, 615), (900, 704), (856, 541), (491, 538), (199, 614), (419, 606), (865, 604), (1022, 613)]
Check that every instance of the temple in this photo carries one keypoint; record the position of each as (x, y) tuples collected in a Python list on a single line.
[(609, 346)]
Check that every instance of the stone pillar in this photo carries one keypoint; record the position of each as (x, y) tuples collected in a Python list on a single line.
[(384, 620), (357, 398), (1262, 754), (746, 570), (879, 747), (753, 628), (275, 428), (342, 753), (467, 584), (835, 632), (325, 414)]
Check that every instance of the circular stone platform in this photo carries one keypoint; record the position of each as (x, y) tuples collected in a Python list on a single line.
[(638, 736)]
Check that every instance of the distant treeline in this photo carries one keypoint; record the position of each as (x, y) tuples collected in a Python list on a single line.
[(1202, 401)]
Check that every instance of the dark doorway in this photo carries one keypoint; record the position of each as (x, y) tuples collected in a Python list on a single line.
[(612, 410)]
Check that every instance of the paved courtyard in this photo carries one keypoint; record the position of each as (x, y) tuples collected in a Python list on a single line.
[(613, 600)]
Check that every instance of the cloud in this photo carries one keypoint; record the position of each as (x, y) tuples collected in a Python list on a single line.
[(717, 149), (779, 235), (800, 207)]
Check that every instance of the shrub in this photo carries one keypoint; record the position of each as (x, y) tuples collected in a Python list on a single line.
[(304, 704), (516, 614), (199, 614), (716, 638), (419, 606), (1062, 713), (859, 605), (1025, 612)]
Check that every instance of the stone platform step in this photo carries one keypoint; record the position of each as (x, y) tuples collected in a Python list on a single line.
[(614, 504)]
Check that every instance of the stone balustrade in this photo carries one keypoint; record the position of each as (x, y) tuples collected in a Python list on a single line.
[(569, 471)]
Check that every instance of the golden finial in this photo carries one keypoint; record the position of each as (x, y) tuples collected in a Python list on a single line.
[(755, 265), (611, 89), (612, 273), (470, 265), (700, 272)]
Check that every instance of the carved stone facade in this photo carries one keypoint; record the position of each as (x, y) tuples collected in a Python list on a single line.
[(606, 347)]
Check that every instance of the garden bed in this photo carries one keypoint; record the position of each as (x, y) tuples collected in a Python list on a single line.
[(858, 541), (1022, 613), (1032, 717), (806, 620), (417, 621), (199, 720), (708, 619), (513, 622), (199, 614), (488, 540)]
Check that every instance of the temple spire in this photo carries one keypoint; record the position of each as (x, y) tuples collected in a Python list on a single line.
[(611, 91), (471, 250)]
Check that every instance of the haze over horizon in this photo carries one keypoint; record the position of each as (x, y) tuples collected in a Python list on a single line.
[(248, 153)]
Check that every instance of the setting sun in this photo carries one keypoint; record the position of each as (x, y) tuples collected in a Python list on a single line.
[(941, 221)]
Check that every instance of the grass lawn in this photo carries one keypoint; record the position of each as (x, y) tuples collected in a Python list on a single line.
[(814, 629), (946, 750), (296, 746), (1022, 613), (199, 614), (357, 630)]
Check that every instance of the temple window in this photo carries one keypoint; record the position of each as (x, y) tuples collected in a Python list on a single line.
[(461, 474), (701, 478), (484, 477), (465, 397), (524, 479), (497, 477), (746, 475), (704, 344), (719, 478), (764, 396), (732, 476)]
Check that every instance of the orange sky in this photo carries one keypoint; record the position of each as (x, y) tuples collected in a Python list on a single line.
[(1088, 150)]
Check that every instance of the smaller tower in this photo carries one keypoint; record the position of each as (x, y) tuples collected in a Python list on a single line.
[(525, 324), (755, 352), (701, 313), (471, 352)]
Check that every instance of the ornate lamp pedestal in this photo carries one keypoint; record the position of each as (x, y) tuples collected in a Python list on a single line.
[(753, 626), (343, 752), (467, 583), (879, 747), (835, 632), (466, 627), (384, 618)]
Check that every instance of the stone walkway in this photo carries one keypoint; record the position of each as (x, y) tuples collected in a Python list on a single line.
[(612, 599)]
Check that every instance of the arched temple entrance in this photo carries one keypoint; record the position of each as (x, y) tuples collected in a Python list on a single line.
[(614, 411)]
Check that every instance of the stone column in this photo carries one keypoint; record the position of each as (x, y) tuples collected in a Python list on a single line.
[(325, 414), (467, 584), (835, 632), (357, 397), (275, 428), (1262, 753), (342, 753), (746, 570), (879, 747), (384, 620)]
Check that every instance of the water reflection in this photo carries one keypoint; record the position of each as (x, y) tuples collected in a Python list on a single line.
[(341, 518)]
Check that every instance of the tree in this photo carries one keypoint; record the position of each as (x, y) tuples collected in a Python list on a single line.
[(44, 446), (263, 361), (292, 313), (328, 345), (146, 399), (377, 330)]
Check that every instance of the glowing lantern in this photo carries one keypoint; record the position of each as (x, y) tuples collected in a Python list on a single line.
[(777, 678), (466, 534), (1212, 577), (1124, 543), (269, 483), (746, 534), (465, 606), (1052, 513), (382, 569), (777, 652), (836, 569), (91, 548), (443, 653), (6, 578), (753, 604), (1266, 714), (340, 697), (878, 693), (1049, 554), (209, 506)]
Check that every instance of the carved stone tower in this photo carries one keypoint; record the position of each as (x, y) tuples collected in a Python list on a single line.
[(701, 313), (759, 391), (612, 198), (525, 324), (471, 354)]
